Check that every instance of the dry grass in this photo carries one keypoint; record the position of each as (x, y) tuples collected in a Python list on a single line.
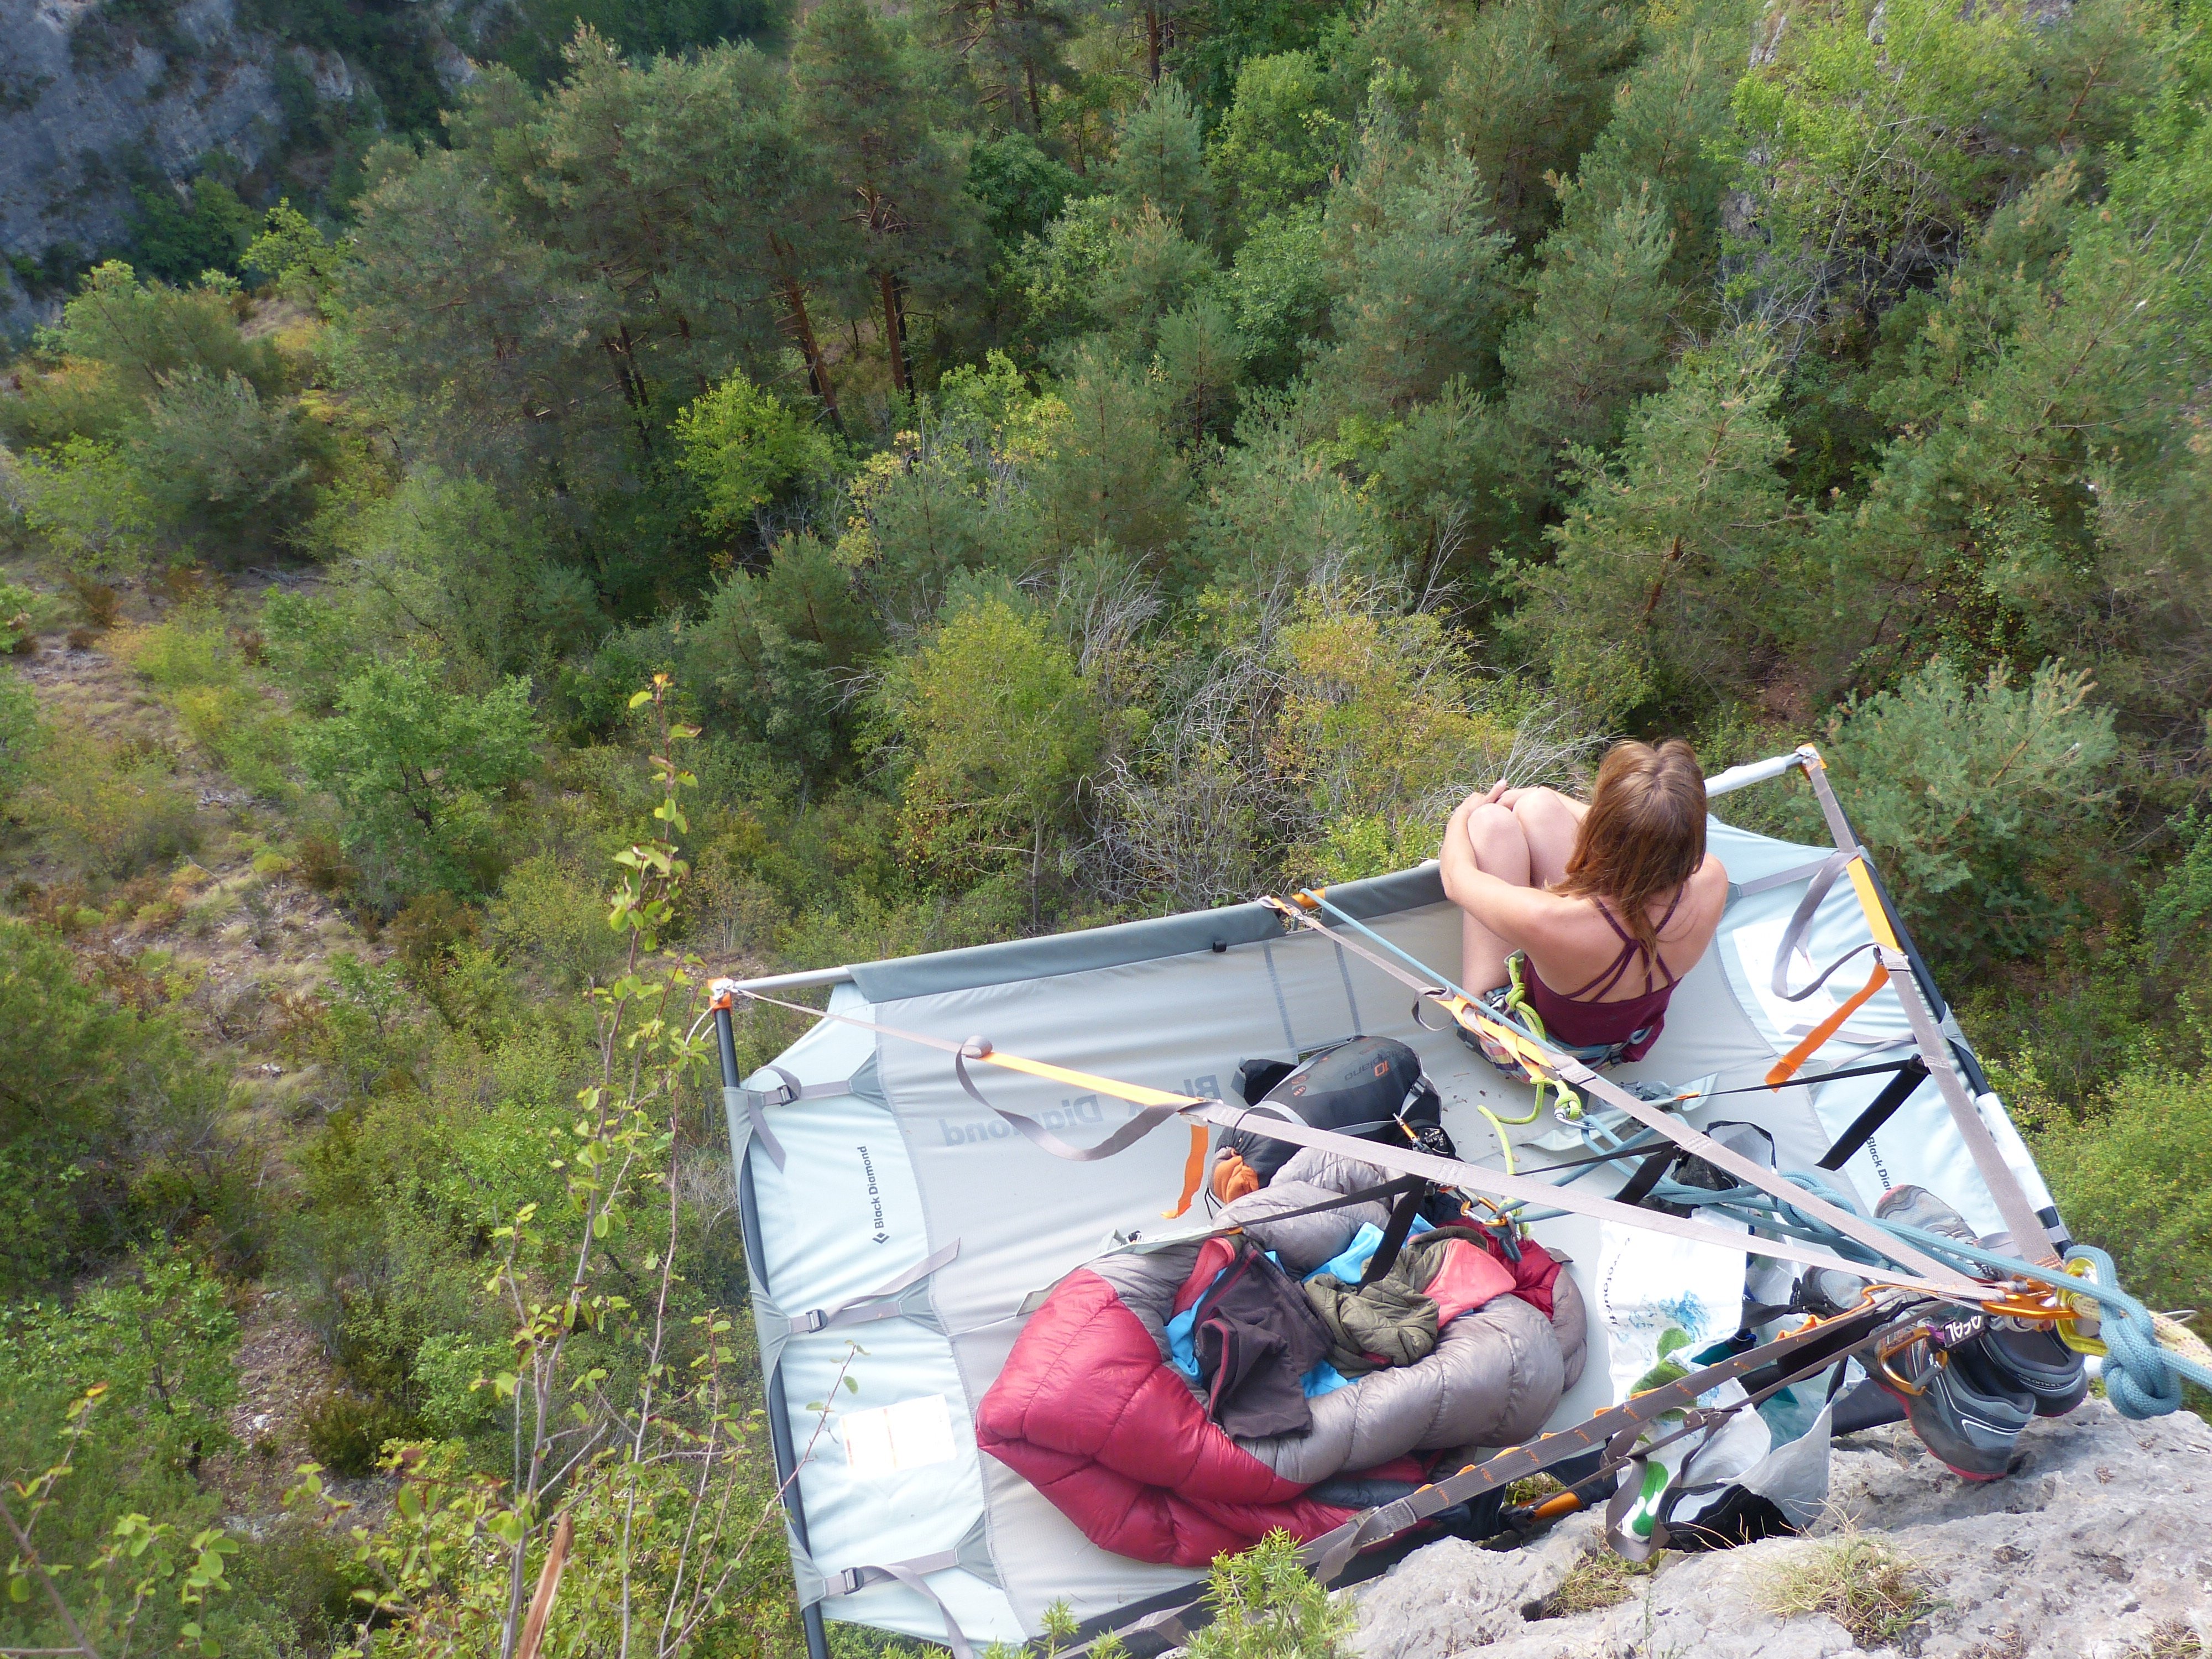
[(1601, 1579), (2171, 1640), (1865, 1584), (1532, 1489)]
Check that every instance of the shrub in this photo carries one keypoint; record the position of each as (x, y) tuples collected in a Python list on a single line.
[(22, 735), (1266, 1606), (83, 499), (552, 916), (1975, 798), (113, 811), (230, 473), (161, 1339), (192, 657), (742, 445), (2135, 1178), (20, 609), (411, 761), (346, 1433)]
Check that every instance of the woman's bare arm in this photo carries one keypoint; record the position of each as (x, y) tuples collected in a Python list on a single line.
[(1520, 913)]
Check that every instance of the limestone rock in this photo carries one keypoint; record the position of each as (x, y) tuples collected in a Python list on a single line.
[(2098, 1546)]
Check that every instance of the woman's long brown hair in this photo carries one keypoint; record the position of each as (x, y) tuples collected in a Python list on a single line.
[(1644, 833)]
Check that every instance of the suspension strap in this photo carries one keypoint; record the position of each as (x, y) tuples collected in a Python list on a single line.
[(1809, 1347), (2030, 1240), (848, 1581), (1910, 1076), (1926, 1272), (752, 1104)]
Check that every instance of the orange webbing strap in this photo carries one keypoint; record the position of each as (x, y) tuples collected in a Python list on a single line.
[(1193, 1172), (1786, 1067)]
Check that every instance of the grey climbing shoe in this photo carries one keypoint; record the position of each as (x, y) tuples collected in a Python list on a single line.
[(2031, 1357), (1963, 1407), (1916, 1206)]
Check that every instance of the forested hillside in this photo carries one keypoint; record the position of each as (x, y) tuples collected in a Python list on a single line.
[(933, 474)]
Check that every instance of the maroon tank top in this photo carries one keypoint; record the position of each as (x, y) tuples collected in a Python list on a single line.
[(1581, 1022)]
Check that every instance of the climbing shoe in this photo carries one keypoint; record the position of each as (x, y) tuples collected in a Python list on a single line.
[(1916, 1206), (1963, 1407), (2033, 1358)]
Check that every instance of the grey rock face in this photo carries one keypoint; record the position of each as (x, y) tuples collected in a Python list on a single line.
[(2099, 1546), (70, 123)]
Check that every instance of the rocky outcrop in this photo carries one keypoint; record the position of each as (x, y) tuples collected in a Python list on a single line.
[(80, 111), (2099, 1546)]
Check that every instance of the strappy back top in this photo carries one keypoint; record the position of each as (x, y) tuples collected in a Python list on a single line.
[(1581, 1022)]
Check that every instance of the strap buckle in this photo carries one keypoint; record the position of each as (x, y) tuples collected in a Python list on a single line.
[(813, 1320), (845, 1582)]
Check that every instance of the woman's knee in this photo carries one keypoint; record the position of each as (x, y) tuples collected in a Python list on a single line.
[(1541, 806), (1501, 848)]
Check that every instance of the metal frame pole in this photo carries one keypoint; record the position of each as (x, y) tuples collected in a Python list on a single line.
[(779, 1408)]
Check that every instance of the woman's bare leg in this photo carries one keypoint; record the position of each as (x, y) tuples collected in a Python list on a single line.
[(1549, 825), (1501, 849)]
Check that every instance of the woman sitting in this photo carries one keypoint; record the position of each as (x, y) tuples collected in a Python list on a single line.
[(1617, 898)]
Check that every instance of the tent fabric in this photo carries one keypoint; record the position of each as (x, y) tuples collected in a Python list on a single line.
[(903, 1164)]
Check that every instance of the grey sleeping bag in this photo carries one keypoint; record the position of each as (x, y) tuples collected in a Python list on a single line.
[(1494, 1376)]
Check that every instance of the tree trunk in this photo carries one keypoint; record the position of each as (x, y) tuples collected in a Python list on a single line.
[(1674, 557), (802, 325), (1037, 874), (817, 366), (1036, 104), (894, 329), (1152, 43)]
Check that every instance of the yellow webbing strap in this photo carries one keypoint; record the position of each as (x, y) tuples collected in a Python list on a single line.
[(1135, 1093)]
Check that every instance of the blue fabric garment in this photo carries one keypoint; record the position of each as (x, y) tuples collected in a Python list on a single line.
[(1346, 1266)]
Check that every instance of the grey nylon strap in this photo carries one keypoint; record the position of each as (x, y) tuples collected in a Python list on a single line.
[(754, 1102), (909, 1573), (2029, 1235), (971, 1555), (1743, 889), (1147, 1119), (884, 1301), (892, 1300), (1801, 923)]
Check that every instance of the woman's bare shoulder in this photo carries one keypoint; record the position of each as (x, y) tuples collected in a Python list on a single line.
[(1709, 888)]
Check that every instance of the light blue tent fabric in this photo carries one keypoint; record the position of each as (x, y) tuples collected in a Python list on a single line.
[(904, 1166)]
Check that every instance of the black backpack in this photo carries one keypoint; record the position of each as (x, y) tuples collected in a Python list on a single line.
[(1365, 1086)]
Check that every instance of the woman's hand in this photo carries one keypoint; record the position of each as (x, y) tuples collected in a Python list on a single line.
[(1497, 795)]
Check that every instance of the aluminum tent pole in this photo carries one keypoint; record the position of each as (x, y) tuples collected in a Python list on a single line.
[(779, 1408)]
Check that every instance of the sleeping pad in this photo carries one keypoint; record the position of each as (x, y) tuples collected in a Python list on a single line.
[(1091, 1409)]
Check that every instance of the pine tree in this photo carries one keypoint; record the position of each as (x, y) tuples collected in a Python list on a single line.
[(1667, 131), (1530, 84), (863, 103), (1674, 571), (1421, 275), (1013, 48), (1113, 474), (1597, 336), (1162, 159)]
